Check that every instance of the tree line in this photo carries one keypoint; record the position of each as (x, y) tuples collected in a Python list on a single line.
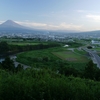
[(7, 49)]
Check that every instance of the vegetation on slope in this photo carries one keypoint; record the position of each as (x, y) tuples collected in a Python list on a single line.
[(44, 84), (53, 79)]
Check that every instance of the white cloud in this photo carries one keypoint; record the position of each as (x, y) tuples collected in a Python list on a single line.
[(94, 17), (31, 24), (70, 26), (53, 26), (1, 22), (62, 26)]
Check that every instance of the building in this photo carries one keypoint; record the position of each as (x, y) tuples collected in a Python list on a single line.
[(95, 42)]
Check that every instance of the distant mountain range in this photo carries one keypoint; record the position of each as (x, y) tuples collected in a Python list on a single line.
[(11, 25)]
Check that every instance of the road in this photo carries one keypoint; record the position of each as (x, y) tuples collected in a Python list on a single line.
[(94, 57), (16, 63), (24, 66), (13, 57), (97, 59)]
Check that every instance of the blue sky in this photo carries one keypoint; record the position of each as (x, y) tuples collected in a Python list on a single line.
[(83, 15)]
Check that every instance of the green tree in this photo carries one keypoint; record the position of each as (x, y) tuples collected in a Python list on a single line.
[(8, 64), (19, 68), (90, 70), (4, 48)]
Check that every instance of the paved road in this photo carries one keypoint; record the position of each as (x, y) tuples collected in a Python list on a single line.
[(13, 57), (97, 59), (94, 57), (24, 66)]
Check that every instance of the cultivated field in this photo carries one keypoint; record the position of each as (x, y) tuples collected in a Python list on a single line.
[(23, 43), (51, 57), (70, 56)]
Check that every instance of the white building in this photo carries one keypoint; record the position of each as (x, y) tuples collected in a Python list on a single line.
[(66, 45), (95, 42)]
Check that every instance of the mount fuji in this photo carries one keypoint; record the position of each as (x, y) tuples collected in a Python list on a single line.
[(10, 25)]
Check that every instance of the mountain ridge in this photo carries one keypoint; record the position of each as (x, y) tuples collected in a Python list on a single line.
[(11, 25)]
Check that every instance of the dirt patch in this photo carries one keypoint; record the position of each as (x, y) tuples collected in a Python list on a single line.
[(71, 49), (71, 59), (68, 52)]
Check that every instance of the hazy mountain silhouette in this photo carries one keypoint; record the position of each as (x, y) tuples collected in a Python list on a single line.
[(11, 25)]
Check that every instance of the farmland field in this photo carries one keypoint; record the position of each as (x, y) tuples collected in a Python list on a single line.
[(70, 56), (51, 57), (81, 52), (23, 43)]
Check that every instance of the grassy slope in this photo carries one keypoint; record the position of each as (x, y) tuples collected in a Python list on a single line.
[(33, 58), (53, 54)]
